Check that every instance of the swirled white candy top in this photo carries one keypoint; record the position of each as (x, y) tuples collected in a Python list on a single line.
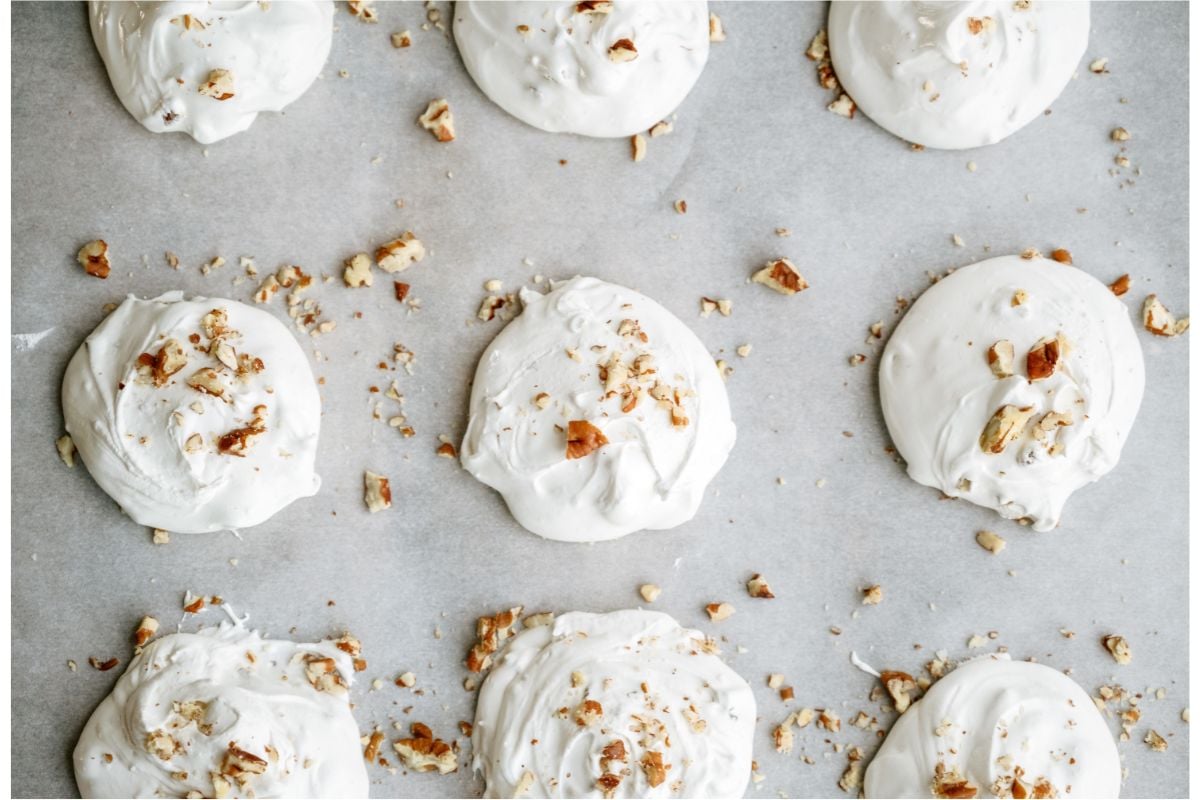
[(597, 413), (208, 68), (194, 415), (597, 68), (626, 704), (1011, 383), (225, 713), (991, 724), (955, 75)]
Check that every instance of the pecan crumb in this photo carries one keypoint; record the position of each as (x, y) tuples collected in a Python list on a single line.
[(377, 491), (1159, 321), (782, 276), (93, 257), (582, 438), (438, 120)]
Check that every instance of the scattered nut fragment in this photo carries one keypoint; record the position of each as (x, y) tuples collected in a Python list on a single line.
[(169, 360), (423, 753), (162, 744), (637, 147), (872, 595), (1118, 648), (159, 536), (206, 381), (400, 254), (145, 631), (650, 592), (1120, 135), (818, 48), (990, 541), (490, 633), (1062, 256), (377, 492), (219, 85), (829, 720), (1159, 321), (594, 7), (1099, 66), (843, 106), (1005, 426), (401, 39), (407, 680), (438, 120), (719, 611), (488, 307), (66, 449), (681, 206), (716, 30), (322, 674), (588, 713), (900, 687), (447, 450), (401, 290), (622, 51), (1019, 297), (357, 271), (948, 782), (1000, 358), (364, 12), (1120, 286), (1157, 743), (757, 587), (582, 438), (782, 276), (654, 768), (1044, 357), (103, 666), (660, 128), (93, 257)]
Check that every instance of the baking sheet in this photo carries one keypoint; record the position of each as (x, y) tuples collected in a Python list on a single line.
[(753, 150)]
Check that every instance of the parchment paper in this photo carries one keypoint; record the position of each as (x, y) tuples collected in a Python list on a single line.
[(753, 149)]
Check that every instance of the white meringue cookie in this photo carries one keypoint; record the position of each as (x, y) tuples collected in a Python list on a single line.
[(938, 391), (556, 74), (160, 54), (987, 719), (660, 690), (256, 693), (544, 371), (156, 450), (954, 75)]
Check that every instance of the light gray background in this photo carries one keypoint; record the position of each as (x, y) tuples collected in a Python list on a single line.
[(753, 149)]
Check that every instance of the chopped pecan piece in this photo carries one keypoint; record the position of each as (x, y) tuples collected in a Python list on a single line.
[(1005, 427), (757, 587), (93, 257), (438, 120), (162, 744), (424, 753), (582, 438), (1045, 356), (654, 768), (490, 633), (242, 765), (377, 492), (716, 30), (719, 611), (400, 254), (782, 276), (323, 675), (357, 271), (1120, 286), (207, 381), (1118, 648), (622, 50), (218, 85), (1062, 256), (588, 713), (990, 541), (1000, 358), (637, 147), (1159, 321), (949, 783), (145, 631), (900, 686)]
